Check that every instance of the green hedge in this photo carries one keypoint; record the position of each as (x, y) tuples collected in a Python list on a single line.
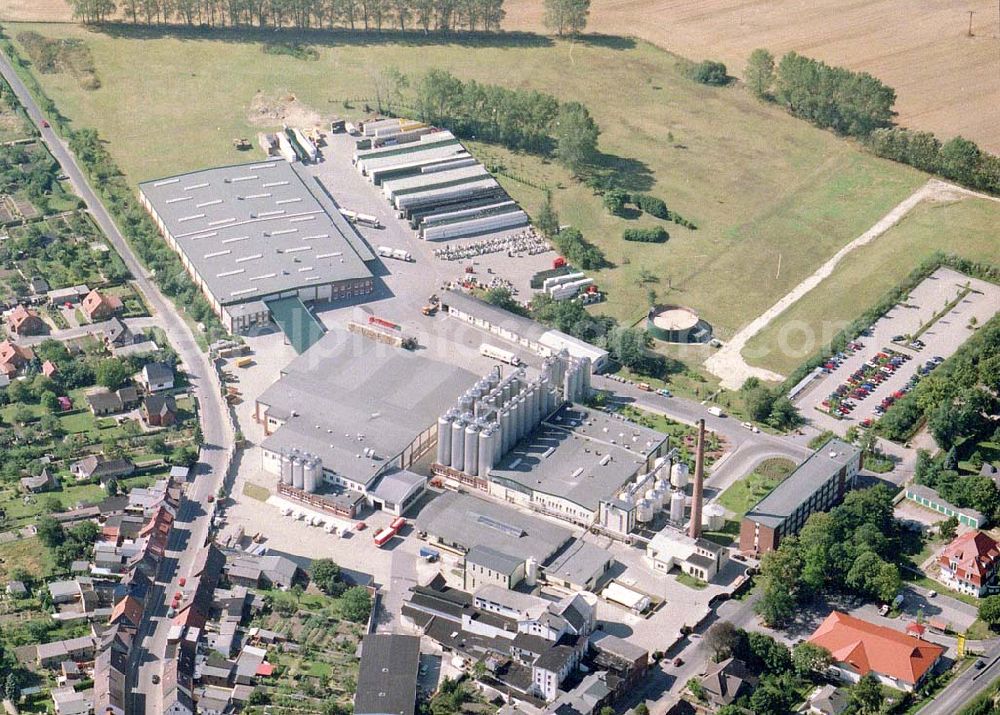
[(651, 205), (646, 235)]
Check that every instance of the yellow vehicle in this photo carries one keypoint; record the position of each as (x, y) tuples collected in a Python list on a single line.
[(244, 361)]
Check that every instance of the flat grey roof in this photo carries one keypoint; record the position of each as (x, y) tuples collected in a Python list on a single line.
[(579, 563), (469, 522), (253, 230), (525, 327), (387, 680), (347, 394), (563, 456), (801, 484), (398, 484), (494, 560)]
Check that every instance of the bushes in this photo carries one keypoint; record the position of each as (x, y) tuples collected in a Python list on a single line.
[(651, 205), (578, 251), (615, 201), (709, 72), (958, 159), (646, 235)]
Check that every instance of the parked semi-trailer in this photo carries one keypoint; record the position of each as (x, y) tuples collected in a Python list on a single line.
[(398, 253), (492, 351)]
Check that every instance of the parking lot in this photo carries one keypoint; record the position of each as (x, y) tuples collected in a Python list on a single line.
[(940, 331)]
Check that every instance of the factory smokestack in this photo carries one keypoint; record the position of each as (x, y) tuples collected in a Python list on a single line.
[(694, 530)]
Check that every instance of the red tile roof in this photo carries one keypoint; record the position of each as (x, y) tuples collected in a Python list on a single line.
[(129, 608), (971, 557), (865, 647)]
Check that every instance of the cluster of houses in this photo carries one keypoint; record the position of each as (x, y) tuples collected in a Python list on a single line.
[(213, 659), (157, 409)]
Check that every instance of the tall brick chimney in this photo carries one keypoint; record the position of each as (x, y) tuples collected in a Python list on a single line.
[(694, 529)]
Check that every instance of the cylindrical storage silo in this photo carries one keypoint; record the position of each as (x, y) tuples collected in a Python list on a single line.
[(515, 422), (713, 517), (466, 401), (679, 475), (486, 450), (444, 441), (578, 382), (567, 385), (531, 398), (530, 571), (458, 444), (677, 507), (308, 476), (506, 391), (588, 369), (286, 468), (644, 511), (298, 473), (506, 431), (471, 450)]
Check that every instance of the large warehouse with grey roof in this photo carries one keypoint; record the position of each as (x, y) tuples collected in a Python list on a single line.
[(254, 233)]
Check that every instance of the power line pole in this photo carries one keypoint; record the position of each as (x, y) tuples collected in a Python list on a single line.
[(971, 13)]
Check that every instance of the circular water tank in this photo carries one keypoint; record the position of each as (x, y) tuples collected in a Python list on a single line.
[(530, 571), (644, 511), (679, 475), (659, 497), (650, 495), (677, 507), (713, 517)]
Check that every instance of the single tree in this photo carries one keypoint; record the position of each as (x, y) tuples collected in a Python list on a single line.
[(759, 73), (326, 576), (722, 639), (547, 220), (989, 610), (566, 17), (576, 137), (949, 528), (112, 373), (867, 696), (356, 604), (810, 659)]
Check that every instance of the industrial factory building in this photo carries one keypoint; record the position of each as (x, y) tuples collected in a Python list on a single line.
[(255, 233), (348, 418), (818, 484), (520, 330), (430, 179), (503, 546)]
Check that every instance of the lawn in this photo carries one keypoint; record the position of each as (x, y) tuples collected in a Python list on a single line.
[(255, 491), (762, 187), (966, 228), (743, 494), (27, 554)]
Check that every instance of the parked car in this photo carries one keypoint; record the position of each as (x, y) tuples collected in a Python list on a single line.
[(678, 661)]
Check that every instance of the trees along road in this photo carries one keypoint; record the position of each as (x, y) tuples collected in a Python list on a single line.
[(191, 527)]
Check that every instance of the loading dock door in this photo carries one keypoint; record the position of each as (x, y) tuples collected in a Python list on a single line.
[(300, 327)]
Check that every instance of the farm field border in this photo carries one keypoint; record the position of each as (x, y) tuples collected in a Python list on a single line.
[(867, 274), (758, 183)]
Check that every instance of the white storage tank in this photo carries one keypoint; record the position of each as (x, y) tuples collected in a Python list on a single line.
[(444, 440), (286, 468), (714, 517), (644, 511), (458, 444), (298, 473), (677, 507), (659, 497), (312, 474), (679, 475), (531, 571), (471, 450)]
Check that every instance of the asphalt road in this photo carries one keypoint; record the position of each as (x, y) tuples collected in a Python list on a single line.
[(965, 687), (191, 528)]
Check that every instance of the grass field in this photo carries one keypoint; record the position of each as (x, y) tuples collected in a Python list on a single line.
[(967, 228), (27, 554), (758, 184), (749, 490)]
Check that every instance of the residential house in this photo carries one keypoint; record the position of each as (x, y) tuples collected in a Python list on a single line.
[(727, 680), (49, 369), (98, 466), (159, 410), (16, 589), (269, 571), (72, 295), (828, 700), (127, 614), (41, 483), (106, 402), (24, 321), (858, 647), (14, 357), (51, 655), (99, 306), (117, 334), (38, 285), (156, 376), (387, 679), (969, 563)]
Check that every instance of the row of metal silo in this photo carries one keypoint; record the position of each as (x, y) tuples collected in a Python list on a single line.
[(571, 375), (300, 470)]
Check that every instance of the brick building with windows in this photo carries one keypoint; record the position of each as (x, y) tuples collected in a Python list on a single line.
[(818, 484)]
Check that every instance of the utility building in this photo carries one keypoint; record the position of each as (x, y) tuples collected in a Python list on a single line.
[(255, 233)]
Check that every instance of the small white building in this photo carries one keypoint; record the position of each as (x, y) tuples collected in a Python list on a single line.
[(699, 558)]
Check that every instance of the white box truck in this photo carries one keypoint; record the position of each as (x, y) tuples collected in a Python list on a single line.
[(492, 351)]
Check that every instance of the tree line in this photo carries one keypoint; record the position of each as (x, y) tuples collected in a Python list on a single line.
[(377, 15), (859, 105)]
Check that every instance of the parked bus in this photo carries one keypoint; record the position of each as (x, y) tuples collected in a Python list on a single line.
[(383, 536), (398, 523)]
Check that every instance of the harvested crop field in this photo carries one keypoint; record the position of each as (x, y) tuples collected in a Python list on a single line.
[(947, 82), (36, 10)]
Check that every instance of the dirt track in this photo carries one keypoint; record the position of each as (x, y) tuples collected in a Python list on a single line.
[(946, 82)]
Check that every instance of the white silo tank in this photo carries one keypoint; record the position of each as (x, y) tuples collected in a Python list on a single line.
[(587, 372), (649, 495), (298, 473), (659, 497), (471, 450), (713, 517), (644, 511), (286, 468), (679, 475), (506, 431), (458, 444), (309, 475), (530, 571), (486, 450), (444, 440), (677, 507)]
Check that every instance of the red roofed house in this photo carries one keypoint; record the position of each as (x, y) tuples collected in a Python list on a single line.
[(969, 563), (24, 321), (49, 368), (859, 647), (127, 613), (98, 306), (14, 357)]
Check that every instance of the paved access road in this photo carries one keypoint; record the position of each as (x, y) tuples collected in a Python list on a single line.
[(193, 520), (965, 687)]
